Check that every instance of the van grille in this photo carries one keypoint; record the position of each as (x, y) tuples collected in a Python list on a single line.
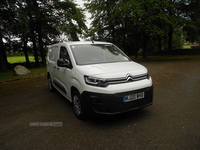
[(128, 78)]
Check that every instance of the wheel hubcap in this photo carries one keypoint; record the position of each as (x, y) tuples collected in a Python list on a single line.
[(50, 84), (77, 105)]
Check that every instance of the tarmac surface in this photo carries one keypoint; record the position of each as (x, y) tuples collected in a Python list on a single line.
[(33, 118)]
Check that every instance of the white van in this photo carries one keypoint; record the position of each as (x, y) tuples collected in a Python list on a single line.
[(98, 78)]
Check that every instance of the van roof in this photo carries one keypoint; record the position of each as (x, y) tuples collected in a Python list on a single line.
[(81, 42)]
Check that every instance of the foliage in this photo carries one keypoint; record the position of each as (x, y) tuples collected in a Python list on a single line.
[(30, 26), (135, 25), (192, 28)]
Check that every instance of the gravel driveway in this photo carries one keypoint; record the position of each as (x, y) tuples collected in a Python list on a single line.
[(172, 122)]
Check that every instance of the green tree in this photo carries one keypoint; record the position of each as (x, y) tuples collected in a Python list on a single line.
[(39, 22), (192, 25), (7, 16), (134, 23)]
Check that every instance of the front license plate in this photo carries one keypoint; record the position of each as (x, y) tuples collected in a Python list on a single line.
[(133, 97)]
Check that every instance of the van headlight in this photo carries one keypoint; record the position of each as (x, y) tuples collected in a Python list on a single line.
[(95, 81)]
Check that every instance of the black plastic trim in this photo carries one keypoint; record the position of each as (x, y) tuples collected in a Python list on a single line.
[(97, 103), (57, 84)]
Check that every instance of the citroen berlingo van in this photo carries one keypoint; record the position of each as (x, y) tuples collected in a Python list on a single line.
[(98, 78)]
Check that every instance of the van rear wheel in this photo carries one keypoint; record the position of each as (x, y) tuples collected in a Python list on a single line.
[(78, 106), (51, 87)]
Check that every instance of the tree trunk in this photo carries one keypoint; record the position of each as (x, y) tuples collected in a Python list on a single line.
[(25, 52), (3, 58), (113, 34), (42, 52), (136, 44), (37, 64), (170, 35), (124, 38), (145, 46), (159, 44), (33, 37), (136, 52)]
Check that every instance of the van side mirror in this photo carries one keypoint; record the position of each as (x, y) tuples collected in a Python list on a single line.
[(63, 63)]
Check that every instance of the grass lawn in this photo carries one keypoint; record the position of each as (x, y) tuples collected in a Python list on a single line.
[(187, 46), (19, 59), (9, 75)]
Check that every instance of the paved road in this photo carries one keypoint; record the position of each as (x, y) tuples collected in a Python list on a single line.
[(173, 122)]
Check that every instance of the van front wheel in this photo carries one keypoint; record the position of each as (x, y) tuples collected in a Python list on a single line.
[(77, 106)]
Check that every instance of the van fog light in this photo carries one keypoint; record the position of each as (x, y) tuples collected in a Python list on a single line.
[(96, 101)]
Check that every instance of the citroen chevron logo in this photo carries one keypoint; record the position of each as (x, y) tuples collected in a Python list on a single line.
[(129, 77)]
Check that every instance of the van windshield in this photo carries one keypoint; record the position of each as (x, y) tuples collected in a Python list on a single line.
[(97, 53)]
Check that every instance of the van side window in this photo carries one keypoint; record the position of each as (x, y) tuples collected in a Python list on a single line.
[(52, 53), (64, 55)]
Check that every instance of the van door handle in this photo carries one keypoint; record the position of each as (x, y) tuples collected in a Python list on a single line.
[(58, 68)]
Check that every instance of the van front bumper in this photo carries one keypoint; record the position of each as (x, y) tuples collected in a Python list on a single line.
[(98, 103)]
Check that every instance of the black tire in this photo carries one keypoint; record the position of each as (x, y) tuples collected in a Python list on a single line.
[(78, 106), (51, 87)]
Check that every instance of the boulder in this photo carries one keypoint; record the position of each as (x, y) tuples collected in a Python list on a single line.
[(21, 70)]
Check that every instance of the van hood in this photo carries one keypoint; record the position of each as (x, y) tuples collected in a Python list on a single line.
[(112, 70)]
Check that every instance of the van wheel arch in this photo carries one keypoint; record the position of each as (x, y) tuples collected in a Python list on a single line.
[(77, 104)]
